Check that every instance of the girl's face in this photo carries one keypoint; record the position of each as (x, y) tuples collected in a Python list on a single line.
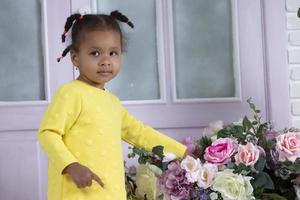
[(98, 57)]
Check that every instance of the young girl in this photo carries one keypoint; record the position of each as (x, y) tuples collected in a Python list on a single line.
[(82, 129)]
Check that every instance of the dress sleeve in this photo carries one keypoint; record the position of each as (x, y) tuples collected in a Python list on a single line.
[(62, 113), (140, 135)]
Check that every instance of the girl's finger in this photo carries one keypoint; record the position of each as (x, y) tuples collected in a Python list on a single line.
[(98, 180), (80, 185), (89, 183)]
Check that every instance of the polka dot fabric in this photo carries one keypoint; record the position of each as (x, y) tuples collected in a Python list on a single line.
[(85, 124)]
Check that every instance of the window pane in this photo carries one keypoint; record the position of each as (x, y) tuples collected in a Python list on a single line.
[(21, 55), (138, 79), (203, 49)]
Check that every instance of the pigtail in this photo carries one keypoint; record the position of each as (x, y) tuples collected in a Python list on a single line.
[(119, 16), (64, 53), (69, 24)]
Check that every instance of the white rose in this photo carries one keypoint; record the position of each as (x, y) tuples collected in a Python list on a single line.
[(232, 186), (207, 174), (147, 181), (297, 190), (192, 167), (212, 128), (208, 132), (215, 126), (213, 196), (169, 157)]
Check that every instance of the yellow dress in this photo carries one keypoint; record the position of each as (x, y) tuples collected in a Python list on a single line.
[(85, 124)]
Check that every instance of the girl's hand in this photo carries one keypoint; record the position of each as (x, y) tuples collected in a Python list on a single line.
[(81, 175)]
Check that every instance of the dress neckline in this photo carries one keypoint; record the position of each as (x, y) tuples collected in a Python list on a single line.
[(90, 87)]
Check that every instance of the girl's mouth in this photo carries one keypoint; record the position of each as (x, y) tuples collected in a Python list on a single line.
[(104, 73)]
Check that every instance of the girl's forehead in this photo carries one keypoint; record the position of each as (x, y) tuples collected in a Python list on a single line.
[(101, 37)]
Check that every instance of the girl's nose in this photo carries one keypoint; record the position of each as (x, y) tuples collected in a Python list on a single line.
[(105, 61)]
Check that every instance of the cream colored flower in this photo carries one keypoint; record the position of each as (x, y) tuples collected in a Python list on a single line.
[(147, 181), (297, 191), (213, 196), (212, 128), (206, 175), (215, 126), (232, 186), (169, 157), (192, 167)]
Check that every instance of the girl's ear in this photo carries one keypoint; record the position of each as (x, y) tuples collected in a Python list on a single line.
[(74, 58)]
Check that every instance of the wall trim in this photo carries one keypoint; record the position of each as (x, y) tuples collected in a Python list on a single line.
[(276, 63)]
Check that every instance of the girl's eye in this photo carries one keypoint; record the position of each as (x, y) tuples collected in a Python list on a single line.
[(113, 53), (95, 53)]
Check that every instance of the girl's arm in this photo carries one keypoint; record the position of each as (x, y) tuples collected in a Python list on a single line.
[(59, 118), (138, 134)]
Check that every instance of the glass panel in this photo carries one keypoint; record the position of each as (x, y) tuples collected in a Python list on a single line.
[(203, 48), (138, 79), (21, 55)]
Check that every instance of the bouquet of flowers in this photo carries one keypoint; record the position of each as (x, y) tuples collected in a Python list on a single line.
[(240, 161)]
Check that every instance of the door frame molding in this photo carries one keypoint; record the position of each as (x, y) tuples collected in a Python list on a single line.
[(276, 63)]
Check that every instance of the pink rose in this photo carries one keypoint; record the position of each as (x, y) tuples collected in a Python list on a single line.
[(247, 154), (288, 146), (220, 151)]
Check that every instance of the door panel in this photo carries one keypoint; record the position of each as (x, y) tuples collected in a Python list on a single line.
[(23, 165), (19, 161)]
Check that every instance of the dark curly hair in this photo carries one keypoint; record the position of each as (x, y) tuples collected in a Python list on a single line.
[(90, 22)]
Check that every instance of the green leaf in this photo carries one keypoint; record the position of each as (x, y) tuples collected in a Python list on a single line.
[(165, 166), (139, 151), (260, 164), (158, 150), (260, 131), (231, 165), (264, 180), (297, 168), (272, 196), (247, 124), (142, 160), (251, 105), (204, 142), (242, 169), (224, 133), (237, 130)]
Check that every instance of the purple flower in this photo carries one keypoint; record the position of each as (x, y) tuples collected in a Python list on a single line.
[(174, 184), (189, 143), (203, 194), (200, 194), (270, 135), (273, 160)]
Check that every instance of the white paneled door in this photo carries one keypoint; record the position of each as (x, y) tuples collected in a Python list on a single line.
[(30, 74)]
